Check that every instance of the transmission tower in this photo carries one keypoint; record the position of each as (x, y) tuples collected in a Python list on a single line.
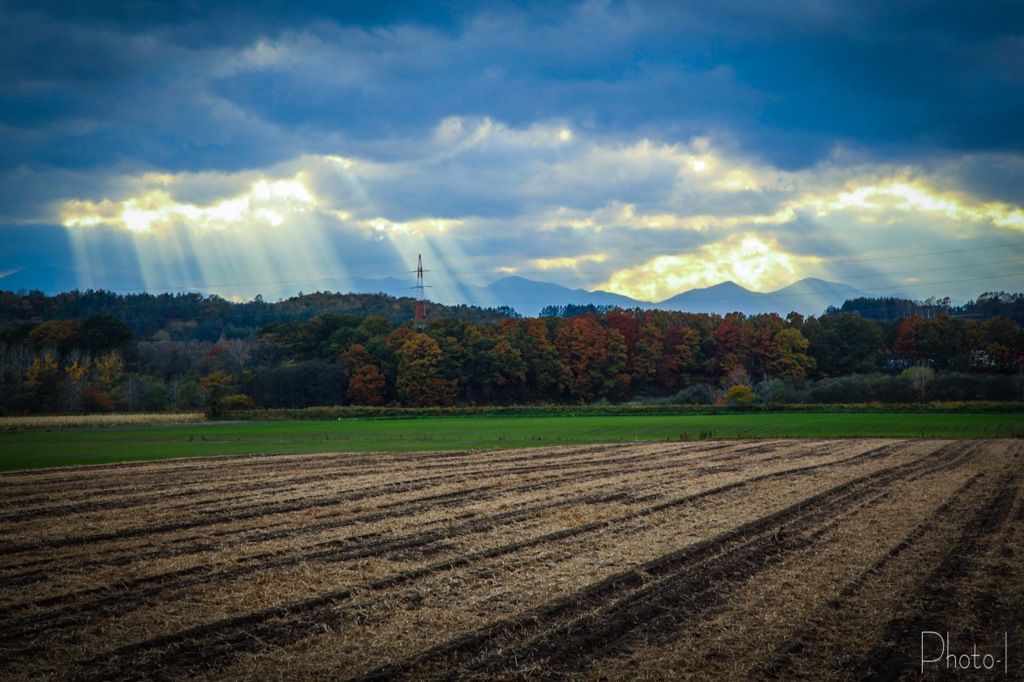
[(420, 317)]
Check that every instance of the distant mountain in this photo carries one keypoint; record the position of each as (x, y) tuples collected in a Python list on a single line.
[(808, 297), (813, 295), (528, 297), (712, 299)]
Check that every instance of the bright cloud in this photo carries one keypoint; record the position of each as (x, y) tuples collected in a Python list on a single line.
[(479, 197), (422, 228), (916, 197), (251, 233), (625, 216), (293, 145), (568, 262), (749, 260), (266, 202), (458, 134)]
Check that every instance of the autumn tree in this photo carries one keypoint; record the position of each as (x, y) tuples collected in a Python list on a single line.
[(215, 386), (108, 370), (762, 342), (104, 375), (732, 344), (547, 377), (907, 345), (681, 357), (845, 344), (77, 373), (45, 376), (920, 378), (618, 382), (55, 336), (791, 360), (650, 356), (583, 348), (740, 395), (366, 386), (1000, 344), (366, 383), (506, 377), (418, 384)]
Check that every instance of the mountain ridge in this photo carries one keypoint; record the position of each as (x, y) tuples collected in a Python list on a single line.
[(808, 296)]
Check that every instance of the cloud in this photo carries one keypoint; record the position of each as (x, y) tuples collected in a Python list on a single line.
[(497, 137), (266, 203), (904, 197), (253, 233), (644, 218), (234, 86), (567, 263), (747, 259)]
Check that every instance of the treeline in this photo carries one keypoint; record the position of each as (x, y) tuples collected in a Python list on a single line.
[(194, 317), (887, 309), (100, 362)]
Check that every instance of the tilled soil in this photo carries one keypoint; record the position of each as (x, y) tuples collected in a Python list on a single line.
[(784, 559)]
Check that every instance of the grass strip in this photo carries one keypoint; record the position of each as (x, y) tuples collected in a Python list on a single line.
[(22, 450)]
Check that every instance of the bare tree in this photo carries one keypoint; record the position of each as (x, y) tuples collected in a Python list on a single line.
[(130, 389), (239, 351)]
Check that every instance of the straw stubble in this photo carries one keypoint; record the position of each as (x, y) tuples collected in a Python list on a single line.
[(767, 559)]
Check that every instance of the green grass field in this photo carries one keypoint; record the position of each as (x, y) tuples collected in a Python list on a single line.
[(33, 449)]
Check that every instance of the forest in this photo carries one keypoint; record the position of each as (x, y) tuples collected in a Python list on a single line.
[(82, 352)]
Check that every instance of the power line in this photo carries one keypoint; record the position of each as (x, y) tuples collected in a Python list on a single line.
[(922, 255), (405, 273), (1015, 261), (837, 261), (396, 274)]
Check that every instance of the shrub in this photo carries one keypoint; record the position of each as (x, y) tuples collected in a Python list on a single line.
[(239, 401), (697, 394), (862, 388), (740, 395)]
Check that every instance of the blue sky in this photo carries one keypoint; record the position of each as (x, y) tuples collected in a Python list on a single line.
[(644, 148)]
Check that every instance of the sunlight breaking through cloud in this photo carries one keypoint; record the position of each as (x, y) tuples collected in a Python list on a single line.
[(267, 201), (749, 260), (422, 227), (568, 262), (237, 245), (481, 198), (915, 197)]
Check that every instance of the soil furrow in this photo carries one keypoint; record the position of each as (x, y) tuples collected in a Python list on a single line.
[(233, 637), (151, 586), (779, 666), (938, 596), (812, 559), (607, 614), (39, 575)]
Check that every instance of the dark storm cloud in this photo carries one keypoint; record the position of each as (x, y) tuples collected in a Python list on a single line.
[(148, 81), (548, 131), (911, 77)]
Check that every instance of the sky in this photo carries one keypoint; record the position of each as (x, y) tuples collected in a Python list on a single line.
[(643, 148)]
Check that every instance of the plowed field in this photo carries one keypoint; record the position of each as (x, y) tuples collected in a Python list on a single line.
[(769, 559)]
